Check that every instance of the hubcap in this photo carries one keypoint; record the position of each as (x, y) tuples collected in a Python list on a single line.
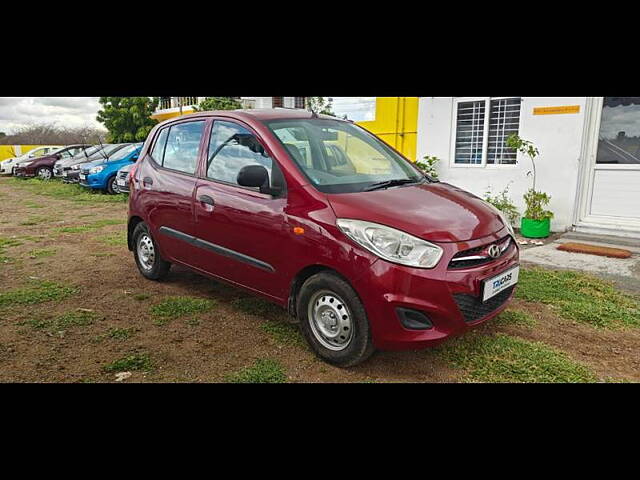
[(330, 320), (45, 174), (114, 186), (146, 252)]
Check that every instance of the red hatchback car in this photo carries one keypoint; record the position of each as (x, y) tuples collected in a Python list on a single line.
[(321, 217)]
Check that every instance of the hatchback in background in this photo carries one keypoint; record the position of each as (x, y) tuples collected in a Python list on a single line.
[(323, 218), (62, 166), (103, 154), (123, 177), (42, 167), (101, 174), (7, 165)]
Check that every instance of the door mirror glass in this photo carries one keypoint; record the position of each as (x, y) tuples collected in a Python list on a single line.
[(255, 176)]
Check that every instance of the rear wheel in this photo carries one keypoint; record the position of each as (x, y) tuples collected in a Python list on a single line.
[(112, 186), (147, 255), (333, 320), (44, 173)]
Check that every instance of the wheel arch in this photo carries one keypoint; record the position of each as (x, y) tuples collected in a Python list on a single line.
[(133, 223), (302, 277)]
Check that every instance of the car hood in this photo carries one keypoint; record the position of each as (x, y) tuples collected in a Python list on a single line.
[(438, 212)]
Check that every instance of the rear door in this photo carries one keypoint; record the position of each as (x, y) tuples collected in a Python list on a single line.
[(166, 183), (241, 231)]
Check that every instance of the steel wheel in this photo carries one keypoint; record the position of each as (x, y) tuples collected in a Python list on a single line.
[(146, 252), (330, 320), (113, 185)]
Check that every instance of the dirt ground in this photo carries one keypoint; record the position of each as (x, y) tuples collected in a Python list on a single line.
[(222, 340)]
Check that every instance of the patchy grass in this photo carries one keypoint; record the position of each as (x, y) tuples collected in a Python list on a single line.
[(121, 333), (505, 359), (257, 306), (89, 227), (36, 221), (9, 242), (37, 292), (580, 297), (173, 307), (283, 332), (136, 361), (33, 205), (63, 322), (141, 297), (42, 252), (65, 191), (118, 239), (262, 371), (516, 318)]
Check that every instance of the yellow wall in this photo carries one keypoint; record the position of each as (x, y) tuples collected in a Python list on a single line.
[(161, 117), (396, 123), (7, 151)]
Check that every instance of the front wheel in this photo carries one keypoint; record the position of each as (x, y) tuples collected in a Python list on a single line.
[(44, 173), (147, 255), (112, 186), (333, 320)]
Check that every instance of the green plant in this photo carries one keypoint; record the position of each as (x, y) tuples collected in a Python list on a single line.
[(136, 361), (321, 105), (128, 119), (38, 292), (535, 200), (428, 166), (262, 371), (503, 202), (180, 306), (218, 103)]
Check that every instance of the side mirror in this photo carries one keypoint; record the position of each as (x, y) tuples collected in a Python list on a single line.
[(254, 176)]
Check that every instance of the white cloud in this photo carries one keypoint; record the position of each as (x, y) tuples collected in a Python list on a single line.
[(358, 109), (70, 112)]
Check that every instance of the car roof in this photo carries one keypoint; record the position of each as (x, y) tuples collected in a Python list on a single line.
[(261, 114)]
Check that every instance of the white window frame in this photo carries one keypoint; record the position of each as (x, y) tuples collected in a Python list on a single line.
[(485, 136)]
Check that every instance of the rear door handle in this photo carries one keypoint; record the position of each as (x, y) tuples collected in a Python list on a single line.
[(206, 199)]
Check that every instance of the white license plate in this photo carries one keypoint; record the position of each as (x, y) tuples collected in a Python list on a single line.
[(83, 177), (495, 285), (64, 174), (121, 183)]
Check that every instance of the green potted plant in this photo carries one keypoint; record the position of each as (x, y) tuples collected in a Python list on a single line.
[(536, 221)]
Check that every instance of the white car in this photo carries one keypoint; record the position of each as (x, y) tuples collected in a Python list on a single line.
[(7, 166)]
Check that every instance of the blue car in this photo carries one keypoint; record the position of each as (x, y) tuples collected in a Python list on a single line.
[(101, 174)]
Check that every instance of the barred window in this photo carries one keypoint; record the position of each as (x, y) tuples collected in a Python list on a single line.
[(482, 129)]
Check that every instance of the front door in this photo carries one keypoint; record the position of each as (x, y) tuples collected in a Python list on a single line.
[(613, 176), (242, 230)]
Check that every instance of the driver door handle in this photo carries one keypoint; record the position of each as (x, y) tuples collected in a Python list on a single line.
[(206, 199)]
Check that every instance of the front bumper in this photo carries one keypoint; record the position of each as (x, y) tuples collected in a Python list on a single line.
[(24, 172), (450, 298), (91, 181), (73, 176)]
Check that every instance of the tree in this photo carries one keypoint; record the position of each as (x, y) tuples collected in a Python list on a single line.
[(218, 103), (320, 105), (52, 134), (2, 134), (128, 119)]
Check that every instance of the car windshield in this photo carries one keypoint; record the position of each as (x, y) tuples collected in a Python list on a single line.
[(340, 157), (89, 151), (125, 152)]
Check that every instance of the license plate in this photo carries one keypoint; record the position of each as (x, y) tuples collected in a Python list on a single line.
[(83, 176), (65, 174), (121, 183), (497, 284)]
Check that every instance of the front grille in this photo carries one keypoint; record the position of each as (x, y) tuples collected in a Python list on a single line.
[(123, 174), (460, 260), (473, 309)]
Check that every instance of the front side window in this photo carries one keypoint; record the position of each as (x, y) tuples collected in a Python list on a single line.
[(232, 147), (482, 129), (177, 146), (339, 157)]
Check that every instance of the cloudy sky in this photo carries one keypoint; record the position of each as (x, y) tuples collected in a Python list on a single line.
[(64, 111)]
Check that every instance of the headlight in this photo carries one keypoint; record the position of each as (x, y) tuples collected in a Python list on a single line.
[(96, 169), (507, 224), (391, 244), (75, 167)]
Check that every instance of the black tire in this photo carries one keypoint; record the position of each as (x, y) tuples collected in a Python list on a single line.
[(112, 186), (360, 346), (158, 268), (45, 173)]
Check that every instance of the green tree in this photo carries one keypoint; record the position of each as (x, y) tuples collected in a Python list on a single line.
[(320, 105), (2, 134), (128, 119), (218, 103)]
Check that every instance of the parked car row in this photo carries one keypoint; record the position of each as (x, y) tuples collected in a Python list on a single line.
[(91, 166)]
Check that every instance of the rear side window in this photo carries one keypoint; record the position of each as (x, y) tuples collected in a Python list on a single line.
[(177, 147), (232, 147)]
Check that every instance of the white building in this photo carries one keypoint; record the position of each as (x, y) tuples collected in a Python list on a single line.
[(589, 153)]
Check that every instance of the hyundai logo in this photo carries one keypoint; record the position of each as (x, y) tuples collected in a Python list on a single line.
[(494, 251)]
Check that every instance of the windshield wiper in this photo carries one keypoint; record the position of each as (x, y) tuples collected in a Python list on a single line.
[(390, 183)]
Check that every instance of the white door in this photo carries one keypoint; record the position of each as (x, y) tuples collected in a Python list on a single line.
[(612, 200)]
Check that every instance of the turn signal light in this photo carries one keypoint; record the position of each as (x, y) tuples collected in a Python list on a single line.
[(298, 230)]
